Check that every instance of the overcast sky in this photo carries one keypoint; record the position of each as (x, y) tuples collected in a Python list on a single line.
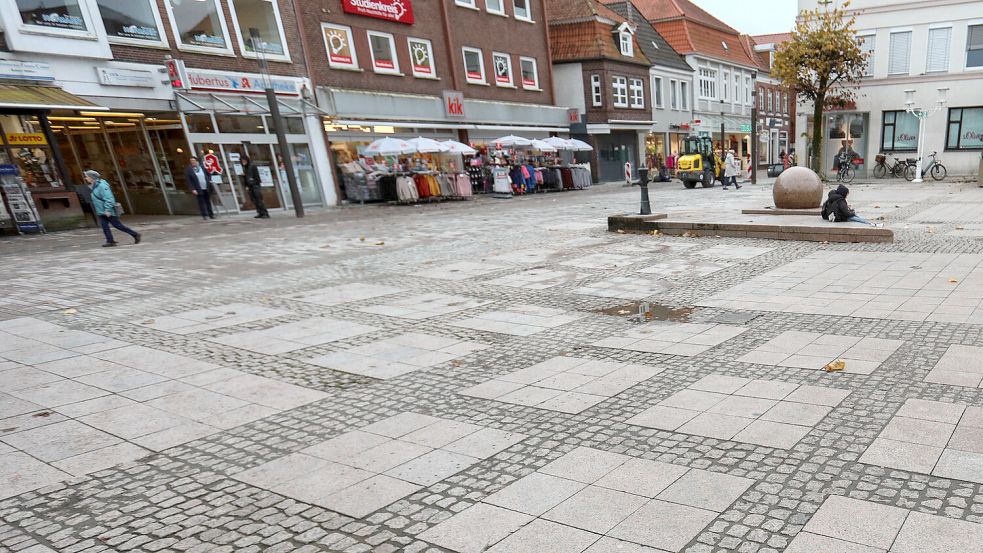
[(754, 17)]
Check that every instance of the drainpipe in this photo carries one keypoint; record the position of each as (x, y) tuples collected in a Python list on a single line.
[(549, 53)]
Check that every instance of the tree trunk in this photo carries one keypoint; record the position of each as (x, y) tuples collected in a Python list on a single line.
[(817, 136)]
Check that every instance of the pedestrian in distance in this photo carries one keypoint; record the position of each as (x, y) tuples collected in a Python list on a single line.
[(104, 206), (199, 183), (730, 170), (837, 210), (250, 176)]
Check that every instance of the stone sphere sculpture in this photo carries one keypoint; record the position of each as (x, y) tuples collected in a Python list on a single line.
[(798, 188)]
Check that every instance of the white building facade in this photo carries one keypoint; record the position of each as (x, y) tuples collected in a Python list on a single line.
[(723, 92), (922, 46)]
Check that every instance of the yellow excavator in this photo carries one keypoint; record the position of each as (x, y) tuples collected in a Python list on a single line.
[(699, 163)]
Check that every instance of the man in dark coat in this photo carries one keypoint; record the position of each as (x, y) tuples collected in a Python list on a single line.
[(199, 182), (837, 210), (250, 177)]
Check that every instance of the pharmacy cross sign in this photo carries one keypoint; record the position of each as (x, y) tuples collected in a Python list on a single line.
[(400, 11), (211, 164)]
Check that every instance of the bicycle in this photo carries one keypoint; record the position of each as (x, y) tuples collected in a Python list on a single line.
[(935, 167), (882, 169), (845, 171)]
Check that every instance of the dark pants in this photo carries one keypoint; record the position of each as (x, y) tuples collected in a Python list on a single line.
[(256, 195), (114, 220), (205, 204)]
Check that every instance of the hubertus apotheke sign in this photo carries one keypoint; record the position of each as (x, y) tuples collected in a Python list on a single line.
[(400, 11)]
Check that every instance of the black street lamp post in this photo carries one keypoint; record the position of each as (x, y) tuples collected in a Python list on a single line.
[(754, 142)]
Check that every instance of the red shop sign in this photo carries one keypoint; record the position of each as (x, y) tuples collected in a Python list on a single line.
[(400, 11)]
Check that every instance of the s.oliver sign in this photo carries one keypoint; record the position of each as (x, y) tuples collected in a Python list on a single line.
[(400, 11)]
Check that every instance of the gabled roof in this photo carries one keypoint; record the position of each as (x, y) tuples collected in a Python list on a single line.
[(763, 59), (664, 10), (776, 38), (585, 30), (655, 48)]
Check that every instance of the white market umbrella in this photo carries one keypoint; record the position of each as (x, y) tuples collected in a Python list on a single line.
[(455, 147), (512, 140), (543, 146), (580, 146), (558, 143), (390, 147), (427, 145)]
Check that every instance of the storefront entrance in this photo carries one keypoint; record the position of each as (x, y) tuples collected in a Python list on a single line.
[(846, 132)]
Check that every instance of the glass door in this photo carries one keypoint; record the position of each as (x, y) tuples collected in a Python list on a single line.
[(222, 180), (137, 169), (310, 190)]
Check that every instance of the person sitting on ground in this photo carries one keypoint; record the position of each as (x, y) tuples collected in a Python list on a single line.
[(836, 209)]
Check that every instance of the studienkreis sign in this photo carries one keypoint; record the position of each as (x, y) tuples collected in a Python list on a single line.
[(400, 11)]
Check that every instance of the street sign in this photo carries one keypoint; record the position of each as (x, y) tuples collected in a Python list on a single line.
[(745, 127)]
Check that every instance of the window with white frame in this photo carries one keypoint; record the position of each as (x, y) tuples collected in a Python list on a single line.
[(785, 103), (466, 3), (619, 95), (657, 91), (673, 94), (263, 16), (708, 83), (596, 95), (382, 46), (502, 65), (761, 99), (974, 46), (625, 44), (340, 46), (725, 86), (495, 6), (474, 65), (771, 105), (683, 95), (747, 90), (132, 21), (421, 58), (530, 73), (867, 46), (899, 53), (61, 16), (939, 42), (636, 91), (737, 87), (199, 25), (521, 9)]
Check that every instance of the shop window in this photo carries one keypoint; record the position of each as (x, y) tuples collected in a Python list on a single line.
[(708, 83), (383, 50), (965, 130), (530, 74), (503, 69), (199, 25), (683, 95), (421, 58), (637, 92), (55, 15), (199, 123), (974, 46), (939, 41), (595, 90), (899, 54), (132, 21), (241, 124), (339, 45), (262, 18), (674, 94), (522, 10), (295, 125), (867, 46), (619, 87), (474, 65), (495, 6), (657, 91), (899, 132)]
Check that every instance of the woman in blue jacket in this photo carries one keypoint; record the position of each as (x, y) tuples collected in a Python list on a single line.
[(104, 206)]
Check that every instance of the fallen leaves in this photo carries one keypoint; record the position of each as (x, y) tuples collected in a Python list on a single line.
[(71, 311), (953, 281), (380, 243), (835, 366)]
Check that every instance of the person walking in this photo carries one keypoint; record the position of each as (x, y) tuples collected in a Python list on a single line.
[(104, 206), (730, 170), (199, 182), (250, 176)]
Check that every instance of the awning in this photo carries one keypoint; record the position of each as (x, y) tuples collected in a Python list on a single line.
[(17, 96), (242, 104)]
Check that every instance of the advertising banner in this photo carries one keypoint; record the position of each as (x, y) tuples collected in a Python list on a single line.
[(400, 11)]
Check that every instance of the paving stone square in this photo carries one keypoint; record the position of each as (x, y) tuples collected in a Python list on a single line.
[(602, 261), (626, 287), (764, 412), (684, 339), (932, 437), (293, 336), (337, 295), (959, 366), (733, 252), (462, 270), (424, 306), (812, 350), (397, 356), (538, 279), (362, 471), (203, 320), (521, 320), (683, 267), (565, 384), (591, 500)]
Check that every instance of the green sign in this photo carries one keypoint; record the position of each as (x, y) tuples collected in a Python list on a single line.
[(745, 127)]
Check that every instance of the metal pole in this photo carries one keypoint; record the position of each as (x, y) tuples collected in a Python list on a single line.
[(288, 163), (753, 143), (153, 159), (921, 137)]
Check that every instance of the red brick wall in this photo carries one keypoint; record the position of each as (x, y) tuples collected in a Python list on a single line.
[(468, 27), (607, 70)]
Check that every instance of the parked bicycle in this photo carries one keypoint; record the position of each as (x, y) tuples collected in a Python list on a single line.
[(882, 169), (845, 171), (935, 168)]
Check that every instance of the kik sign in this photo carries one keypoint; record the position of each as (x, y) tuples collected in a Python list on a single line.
[(453, 103), (400, 11)]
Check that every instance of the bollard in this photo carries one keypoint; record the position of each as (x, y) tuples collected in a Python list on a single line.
[(643, 183)]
